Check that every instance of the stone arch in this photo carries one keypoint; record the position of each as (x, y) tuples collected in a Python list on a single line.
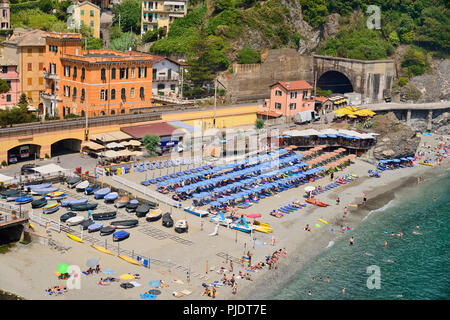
[(15, 152), (65, 146), (336, 81)]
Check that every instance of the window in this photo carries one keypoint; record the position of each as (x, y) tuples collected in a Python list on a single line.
[(278, 93), (113, 112), (141, 72), (8, 98), (132, 73), (29, 52), (294, 95), (172, 87), (92, 23), (103, 74), (277, 105), (81, 12), (132, 93), (41, 66), (74, 94), (41, 81), (113, 73), (83, 113), (123, 93), (102, 94), (30, 67), (66, 91), (113, 94), (75, 69), (154, 73), (4, 69), (82, 94), (122, 111), (161, 86), (305, 94), (53, 48), (91, 13), (122, 73), (30, 95), (8, 82), (67, 71), (41, 51), (83, 73), (141, 92), (292, 106), (30, 81)]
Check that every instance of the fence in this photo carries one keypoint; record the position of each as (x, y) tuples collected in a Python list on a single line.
[(42, 220)]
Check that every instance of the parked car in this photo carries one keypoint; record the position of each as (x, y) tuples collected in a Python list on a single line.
[(27, 169)]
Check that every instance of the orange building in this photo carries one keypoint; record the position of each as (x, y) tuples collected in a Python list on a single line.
[(96, 82)]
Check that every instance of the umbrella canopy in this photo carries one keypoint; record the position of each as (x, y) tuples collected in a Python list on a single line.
[(126, 276), (155, 292), (109, 271), (254, 215), (92, 262), (154, 283), (63, 268)]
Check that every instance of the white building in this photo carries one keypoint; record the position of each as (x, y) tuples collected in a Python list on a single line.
[(167, 77)]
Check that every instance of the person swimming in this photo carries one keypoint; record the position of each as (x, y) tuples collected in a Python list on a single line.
[(368, 254)]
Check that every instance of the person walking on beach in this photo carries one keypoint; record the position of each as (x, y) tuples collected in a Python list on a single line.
[(214, 292), (338, 201), (231, 266), (364, 199), (273, 240), (234, 289), (332, 176), (345, 210)]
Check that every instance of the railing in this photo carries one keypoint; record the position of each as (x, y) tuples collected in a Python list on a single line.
[(45, 95), (53, 76), (167, 78), (42, 220)]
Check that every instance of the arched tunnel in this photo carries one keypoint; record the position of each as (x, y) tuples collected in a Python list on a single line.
[(335, 81)]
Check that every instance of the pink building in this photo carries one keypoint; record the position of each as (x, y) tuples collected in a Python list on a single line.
[(292, 98), (8, 72)]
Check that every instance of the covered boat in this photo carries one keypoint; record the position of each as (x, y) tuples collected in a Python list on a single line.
[(95, 227), (66, 216), (73, 181), (68, 203), (111, 197), (101, 193), (152, 204), (51, 207), (24, 200), (91, 189), (167, 220), (14, 196), (75, 220), (107, 230), (181, 226), (153, 215), (38, 203), (104, 215), (86, 223), (43, 191), (197, 212), (83, 207), (142, 210), (38, 186), (120, 235), (8, 192), (122, 202), (124, 224), (132, 205), (82, 186)]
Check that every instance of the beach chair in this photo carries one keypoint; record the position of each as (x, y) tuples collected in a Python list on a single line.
[(146, 263)]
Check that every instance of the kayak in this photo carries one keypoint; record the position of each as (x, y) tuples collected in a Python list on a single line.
[(24, 200), (130, 260), (56, 195), (101, 249), (316, 202), (75, 220), (68, 203), (120, 235), (80, 187), (51, 207), (73, 237)]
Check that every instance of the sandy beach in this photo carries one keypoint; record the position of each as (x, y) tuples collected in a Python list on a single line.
[(30, 268)]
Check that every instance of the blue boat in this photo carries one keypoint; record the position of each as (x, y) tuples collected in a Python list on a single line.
[(38, 186), (23, 200), (110, 197), (50, 208), (101, 193), (44, 190), (58, 197), (68, 203), (91, 189), (95, 227), (120, 235)]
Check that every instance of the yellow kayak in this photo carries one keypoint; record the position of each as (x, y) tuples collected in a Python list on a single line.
[(426, 164), (322, 221), (55, 194), (263, 229), (71, 236), (50, 205), (130, 260), (104, 250), (262, 224)]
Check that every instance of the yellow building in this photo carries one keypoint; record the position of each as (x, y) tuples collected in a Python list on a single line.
[(28, 51), (88, 14), (161, 13)]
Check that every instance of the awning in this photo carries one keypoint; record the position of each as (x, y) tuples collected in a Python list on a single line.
[(134, 143), (119, 135), (49, 168), (93, 146), (114, 145), (173, 3), (110, 154), (125, 153), (103, 137)]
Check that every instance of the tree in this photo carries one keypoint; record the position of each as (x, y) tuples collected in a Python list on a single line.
[(259, 124), (46, 6), (150, 142), (248, 55), (124, 42), (4, 88), (23, 100), (315, 12), (129, 12)]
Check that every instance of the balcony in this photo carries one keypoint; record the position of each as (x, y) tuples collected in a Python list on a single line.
[(52, 76), (166, 78), (51, 97)]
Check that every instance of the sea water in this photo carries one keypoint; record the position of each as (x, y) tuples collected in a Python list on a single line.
[(416, 266)]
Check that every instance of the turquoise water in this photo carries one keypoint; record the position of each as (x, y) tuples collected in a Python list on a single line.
[(416, 266)]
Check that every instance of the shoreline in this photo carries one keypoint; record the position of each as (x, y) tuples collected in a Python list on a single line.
[(299, 257)]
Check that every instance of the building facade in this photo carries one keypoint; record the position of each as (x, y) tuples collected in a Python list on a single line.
[(161, 13), (291, 98), (88, 14), (4, 15), (8, 72), (94, 82), (167, 77), (27, 51)]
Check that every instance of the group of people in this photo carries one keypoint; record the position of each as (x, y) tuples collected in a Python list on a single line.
[(91, 270), (56, 290)]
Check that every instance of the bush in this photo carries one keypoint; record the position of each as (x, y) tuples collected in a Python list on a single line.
[(248, 56), (4, 163), (47, 156), (402, 81), (415, 61), (259, 123)]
